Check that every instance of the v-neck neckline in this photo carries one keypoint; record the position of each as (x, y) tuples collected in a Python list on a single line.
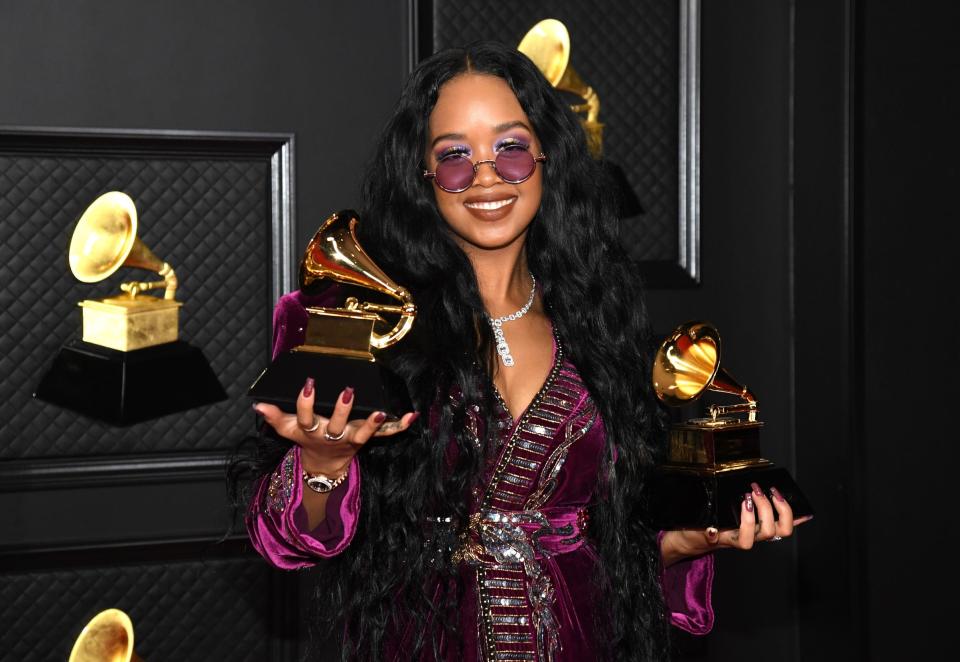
[(547, 381)]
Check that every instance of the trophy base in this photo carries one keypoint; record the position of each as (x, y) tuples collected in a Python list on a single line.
[(697, 497), (375, 386), (123, 388)]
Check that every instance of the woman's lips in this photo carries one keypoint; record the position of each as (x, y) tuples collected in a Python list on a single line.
[(490, 210)]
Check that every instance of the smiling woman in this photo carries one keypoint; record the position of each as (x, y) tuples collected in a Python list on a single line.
[(477, 117), (508, 522)]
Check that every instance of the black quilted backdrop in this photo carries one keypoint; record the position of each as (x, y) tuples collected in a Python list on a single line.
[(181, 611), (208, 217), (628, 51)]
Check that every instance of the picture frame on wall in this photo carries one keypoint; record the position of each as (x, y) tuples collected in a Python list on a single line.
[(217, 205), (135, 517)]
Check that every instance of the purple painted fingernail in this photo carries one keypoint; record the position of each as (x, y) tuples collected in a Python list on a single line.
[(756, 490), (776, 494), (255, 410), (308, 387), (748, 499), (415, 416), (380, 417), (347, 395)]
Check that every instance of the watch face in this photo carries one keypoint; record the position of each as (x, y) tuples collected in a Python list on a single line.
[(320, 484)]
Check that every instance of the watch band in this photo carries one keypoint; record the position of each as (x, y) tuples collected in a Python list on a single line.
[(321, 483)]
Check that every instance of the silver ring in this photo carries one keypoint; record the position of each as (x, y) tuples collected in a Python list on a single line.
[(332, 437), (313, 428), (776, 539)]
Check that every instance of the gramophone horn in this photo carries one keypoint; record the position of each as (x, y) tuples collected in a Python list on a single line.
[(548, 44), (334, 253), (688, 363), (108, 637), (105, 239)]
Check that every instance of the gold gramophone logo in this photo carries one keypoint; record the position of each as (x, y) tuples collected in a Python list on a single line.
[(712, 461), (130, 365), (107, 637), (547, 44), (335, 254), (104, 240), (340, 342)]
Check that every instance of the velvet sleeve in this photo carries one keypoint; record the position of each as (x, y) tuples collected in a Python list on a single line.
[(276, 520), (687, 588), (290, 316)]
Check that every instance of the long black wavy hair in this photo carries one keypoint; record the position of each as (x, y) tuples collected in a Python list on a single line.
[(591, 292)]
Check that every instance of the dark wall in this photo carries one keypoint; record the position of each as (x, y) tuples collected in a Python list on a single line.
[(329, 72), (874, 161), (828, 451), (906, 180)]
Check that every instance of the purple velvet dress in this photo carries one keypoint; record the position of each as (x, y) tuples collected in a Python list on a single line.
[(529, 563)]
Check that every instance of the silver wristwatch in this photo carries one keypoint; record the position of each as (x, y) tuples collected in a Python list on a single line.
[(322, 484)]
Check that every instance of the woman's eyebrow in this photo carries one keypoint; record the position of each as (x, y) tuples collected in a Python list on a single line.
[(447, 136), (500, 128)]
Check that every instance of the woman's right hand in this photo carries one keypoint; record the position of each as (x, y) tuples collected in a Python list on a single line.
[(327, 445)]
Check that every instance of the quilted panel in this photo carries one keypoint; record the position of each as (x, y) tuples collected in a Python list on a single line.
[(628, 51), (217, 610), (208, 217)]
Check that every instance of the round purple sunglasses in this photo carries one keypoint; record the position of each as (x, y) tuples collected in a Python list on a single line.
[(456, 173)]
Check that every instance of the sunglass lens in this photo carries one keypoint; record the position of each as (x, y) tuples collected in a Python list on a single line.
[(455, 173), (515, 164)]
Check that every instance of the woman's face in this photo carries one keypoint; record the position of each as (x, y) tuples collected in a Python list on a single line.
[(479, 115)]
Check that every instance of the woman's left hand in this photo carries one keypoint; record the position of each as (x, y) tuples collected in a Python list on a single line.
[(757, 524)]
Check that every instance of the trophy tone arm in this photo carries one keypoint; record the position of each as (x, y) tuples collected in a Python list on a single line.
[(749, 407), (407, 311), (169, 282)]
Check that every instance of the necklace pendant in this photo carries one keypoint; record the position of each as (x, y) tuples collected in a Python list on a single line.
[(503, 349), (496, 325)]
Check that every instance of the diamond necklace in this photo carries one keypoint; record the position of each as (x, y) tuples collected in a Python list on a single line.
[(503, 349)]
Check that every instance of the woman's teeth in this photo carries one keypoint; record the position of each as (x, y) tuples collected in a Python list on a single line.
[(493, 204)]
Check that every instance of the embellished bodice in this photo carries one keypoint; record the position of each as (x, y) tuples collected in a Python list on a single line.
[(536, 446), (533, 508)]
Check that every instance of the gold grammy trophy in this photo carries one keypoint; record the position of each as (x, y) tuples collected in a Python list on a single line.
[(108, 637), (340, 342), (104, 240), (547, 44), (130, 364), (711, 461)]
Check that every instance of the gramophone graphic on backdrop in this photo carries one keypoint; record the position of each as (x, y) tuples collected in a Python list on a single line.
[(130, 365), (712, 460), (340, 342), (107, 637), (548, 46)]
